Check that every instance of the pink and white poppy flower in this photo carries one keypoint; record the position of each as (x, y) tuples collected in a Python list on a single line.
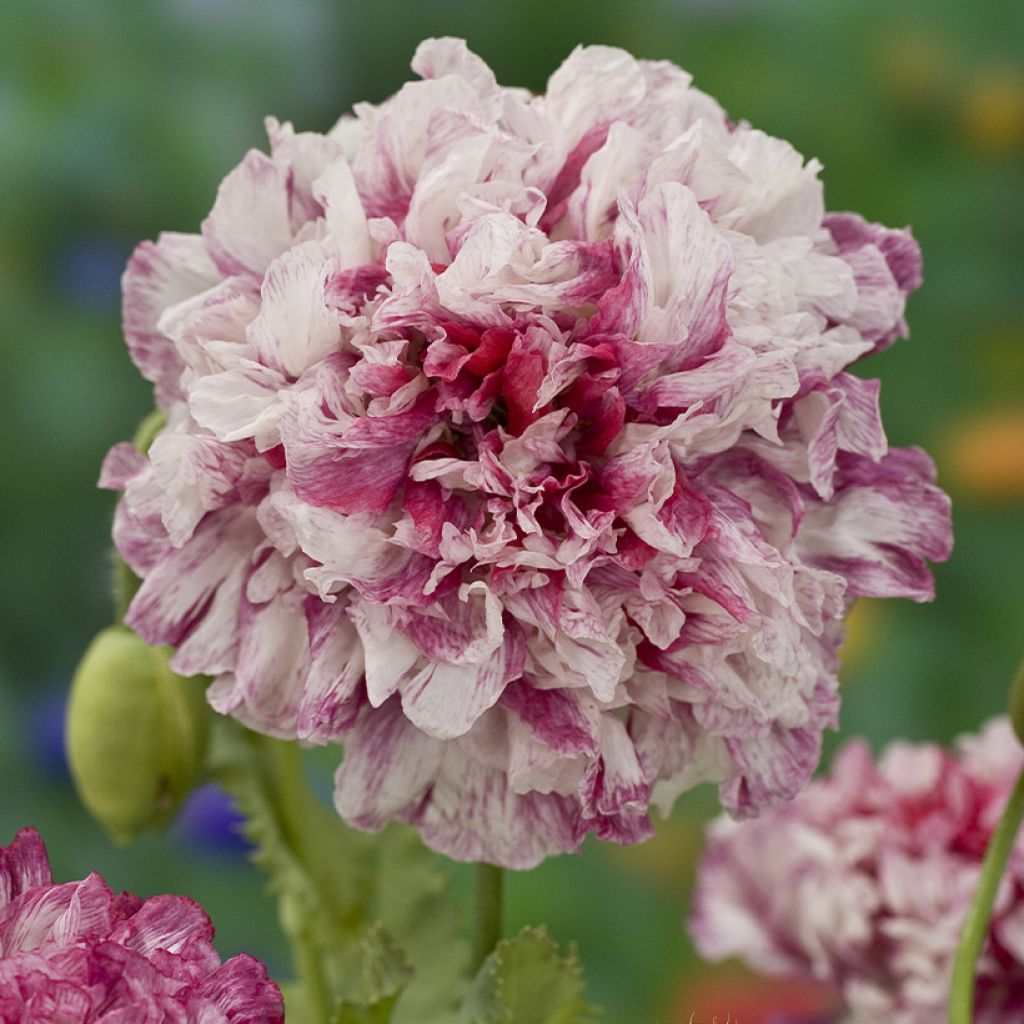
[(75, 953), (863, 881), (510, 442)]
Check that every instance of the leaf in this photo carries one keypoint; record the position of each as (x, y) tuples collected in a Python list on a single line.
[(385, 969), (380, 1013), (528, 980), (383, 975), (414, 902)]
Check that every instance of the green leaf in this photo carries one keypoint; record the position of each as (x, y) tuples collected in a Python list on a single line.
[(383, 975), (414, 902), (528, 980), (379, 1013)]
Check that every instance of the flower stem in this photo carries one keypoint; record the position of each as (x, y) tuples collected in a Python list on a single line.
[(292, 798), (976, 923), (489, 885)]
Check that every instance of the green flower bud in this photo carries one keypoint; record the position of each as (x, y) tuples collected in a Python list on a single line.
[(148, 429), (136, 733)]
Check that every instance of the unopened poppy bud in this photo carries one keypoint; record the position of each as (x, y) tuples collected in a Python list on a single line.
[(148, 429), (136, 733)]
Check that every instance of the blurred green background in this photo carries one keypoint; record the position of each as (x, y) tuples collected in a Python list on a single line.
[(118, 118)]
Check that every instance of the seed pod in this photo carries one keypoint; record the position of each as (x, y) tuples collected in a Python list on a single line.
[(136, 733)]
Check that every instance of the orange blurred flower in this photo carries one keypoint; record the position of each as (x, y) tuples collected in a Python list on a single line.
[(984, 455), (733, 995)]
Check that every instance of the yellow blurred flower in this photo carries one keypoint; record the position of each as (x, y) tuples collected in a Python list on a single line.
[(913, 67), (993, 111), (863, 625)]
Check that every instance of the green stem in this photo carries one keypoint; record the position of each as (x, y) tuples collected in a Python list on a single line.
[(292, 789), (306, 957), (489, 885), (291, 800), (976, 923)]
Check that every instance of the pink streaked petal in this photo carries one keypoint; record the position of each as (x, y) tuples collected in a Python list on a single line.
[(867, 534), (780, 196), (623, 308), (690, 265), (880, 303), (349, 548), (57, 913), (845, 416), (331, 688), (139, 536), (413, 299), (776, 766), (240, 990), (461, 630), (568, 274), (428, 509), (239, 403), (195, 475), (706, 382), (24, 864), (614, 792), (435, 58), (593, 84), (555, 717), (389, 766), (208, 330), (336, 191), (390, 657), (491, 245), (250, 223), (122, 463), (851, 231), (859, 429), (445, 699), (590, 645), (391, 159), (273, 655), (159, 275), (184, 595), (616, 164), (307, 156), (170, 923), (473, 815), (522, 378), (356, 467), (295, 328)]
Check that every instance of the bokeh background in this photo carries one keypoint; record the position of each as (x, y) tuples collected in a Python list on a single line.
[(118, 118)]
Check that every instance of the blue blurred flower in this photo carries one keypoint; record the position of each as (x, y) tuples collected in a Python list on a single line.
[(210, 823), (88, 271)]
